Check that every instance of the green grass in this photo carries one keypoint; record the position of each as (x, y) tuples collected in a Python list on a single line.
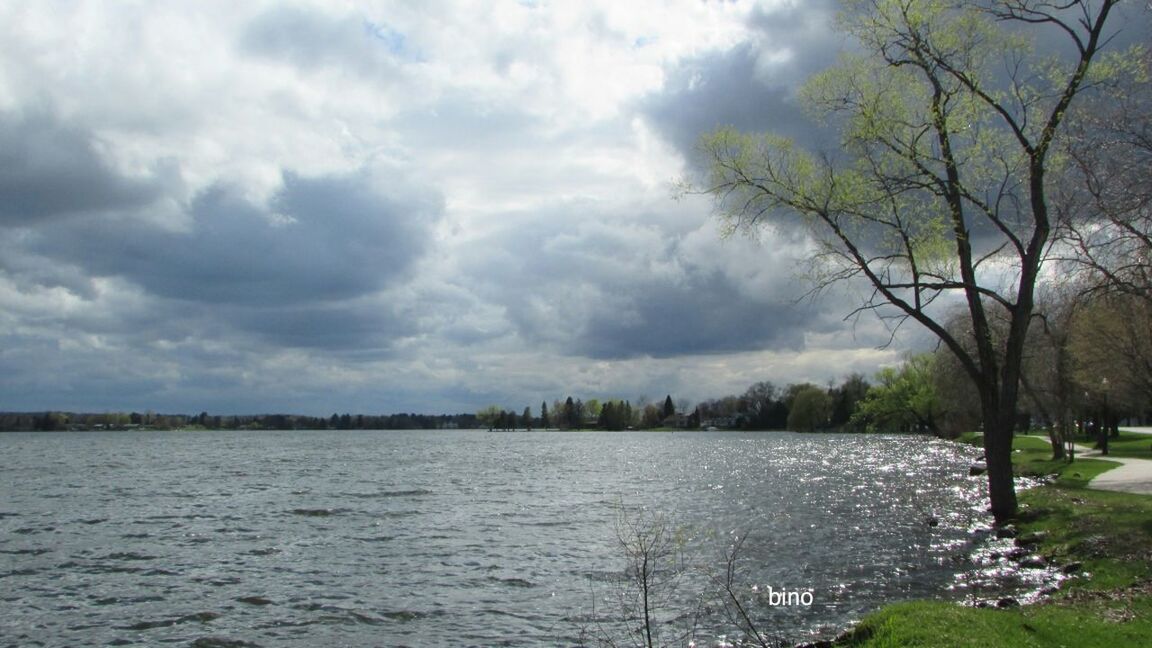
[(1111, 533), (1131, 444), (1128, 444), (1103, 622), (1110, 604), (1032, 457)]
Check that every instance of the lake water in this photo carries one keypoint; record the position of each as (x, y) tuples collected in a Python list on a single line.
[(464, 538)]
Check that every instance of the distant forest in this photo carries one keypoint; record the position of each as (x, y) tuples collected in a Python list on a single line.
[(908, 398), (60, 421), (803, 407)]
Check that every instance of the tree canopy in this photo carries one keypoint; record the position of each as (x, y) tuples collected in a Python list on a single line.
[(939, 189), (903, 399)]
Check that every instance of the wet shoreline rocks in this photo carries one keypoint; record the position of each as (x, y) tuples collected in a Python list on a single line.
[(1009, 572)]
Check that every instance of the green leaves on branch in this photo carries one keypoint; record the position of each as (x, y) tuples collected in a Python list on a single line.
[(754, 176)]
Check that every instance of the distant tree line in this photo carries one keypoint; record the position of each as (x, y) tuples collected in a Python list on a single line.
[(593, 414), (56, 421), (801, 407)]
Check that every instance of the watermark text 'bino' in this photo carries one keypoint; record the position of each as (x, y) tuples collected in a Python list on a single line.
[(783, 597)]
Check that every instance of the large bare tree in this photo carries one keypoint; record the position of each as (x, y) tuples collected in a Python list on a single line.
[(948, 115)]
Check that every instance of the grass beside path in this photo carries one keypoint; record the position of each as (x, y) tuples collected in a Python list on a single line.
[(1032, 457), (1108, 604), (1130, 444)]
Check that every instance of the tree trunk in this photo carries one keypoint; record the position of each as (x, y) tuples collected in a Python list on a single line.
[(1057, 441), (998, 453), (1067, 432), (998, 428)]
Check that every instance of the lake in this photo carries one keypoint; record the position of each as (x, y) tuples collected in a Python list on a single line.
[(462, 538)]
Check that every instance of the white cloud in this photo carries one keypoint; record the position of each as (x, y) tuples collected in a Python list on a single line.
[(372, 206)]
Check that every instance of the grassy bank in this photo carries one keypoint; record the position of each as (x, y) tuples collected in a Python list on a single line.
[(1105, 537), (1131, 444)]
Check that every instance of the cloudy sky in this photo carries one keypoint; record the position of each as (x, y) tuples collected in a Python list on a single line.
[(326, 205)]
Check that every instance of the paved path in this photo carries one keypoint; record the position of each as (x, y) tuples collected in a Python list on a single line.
[(1132, 476)]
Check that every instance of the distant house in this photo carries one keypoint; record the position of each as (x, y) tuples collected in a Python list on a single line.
[(721, 423)]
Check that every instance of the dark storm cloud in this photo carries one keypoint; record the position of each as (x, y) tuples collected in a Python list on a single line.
[(50, 169), (324, 239), (703, 314), (744, 86), (607, 289), (304, 271)]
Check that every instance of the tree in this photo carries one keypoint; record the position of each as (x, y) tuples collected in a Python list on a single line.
[(545, 421), (50, 422), (810, 409), (1111, 348), (572, 414), (648, 614), (592, 408), (526, 418), (1107, 200), (1048, 379), (903, 400), (846, 399), (651, 417), (669, 407), (614, 415), (941, 188), (759, 399), (488, 417)]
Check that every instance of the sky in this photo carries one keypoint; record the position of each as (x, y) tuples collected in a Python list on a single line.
[(334, 206)]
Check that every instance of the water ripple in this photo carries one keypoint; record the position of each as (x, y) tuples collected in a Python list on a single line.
[(322, 538)]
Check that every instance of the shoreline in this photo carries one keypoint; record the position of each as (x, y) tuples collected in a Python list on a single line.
[(1105, 592)]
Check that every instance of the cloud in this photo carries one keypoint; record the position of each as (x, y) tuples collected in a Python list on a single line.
[(613, 285), (751, 85), (310, 269), (360, 329), (311, 38), (50, 169), (319, 239), (314, 207), (704, 313)]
